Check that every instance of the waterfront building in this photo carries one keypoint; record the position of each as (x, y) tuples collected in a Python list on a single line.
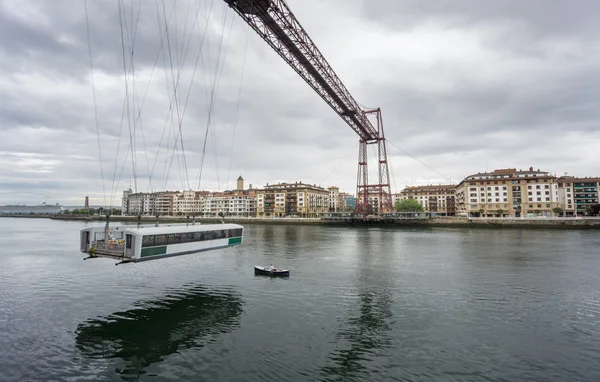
[(141, 203), (585, 192), (508, 192), (125, 201), (578, 195), (349, 201), (230, 203), (189, 202), (164, 202), (297, 199), (336, 199), (439, 199), (238, 202)]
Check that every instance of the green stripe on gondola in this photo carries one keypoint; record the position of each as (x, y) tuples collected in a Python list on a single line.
[(153, 251), (235, 240)]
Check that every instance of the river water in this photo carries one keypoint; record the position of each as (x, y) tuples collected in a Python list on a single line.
[(368, 304)]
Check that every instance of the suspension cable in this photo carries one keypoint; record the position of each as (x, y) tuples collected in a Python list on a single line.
[(212, 101), (237, 106), (131, 137), (420, 161), (87, 23)]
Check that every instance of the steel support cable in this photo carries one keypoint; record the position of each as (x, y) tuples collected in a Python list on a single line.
[(171, 100), (132, 37), (214, 92), (175, 90), (135, 99), (188, 96), (161, 49), (219, 73), (182, 113), (212, 101), (180, 121), (189, 90), (208, 106), (125, 106), (127, 94), (421, 162), (237, 106), (129, 66), (87, 23), (171, 97), (123, 167), (113, 187), (340, 162)]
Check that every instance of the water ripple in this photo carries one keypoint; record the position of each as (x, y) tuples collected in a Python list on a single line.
[(361, 304)]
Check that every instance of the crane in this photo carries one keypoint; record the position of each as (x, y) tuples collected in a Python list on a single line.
[(278, 27)]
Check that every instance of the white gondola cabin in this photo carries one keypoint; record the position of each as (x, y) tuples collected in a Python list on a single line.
[(141, 243)]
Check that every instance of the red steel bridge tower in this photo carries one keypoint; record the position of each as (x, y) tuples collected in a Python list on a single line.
[(276, 24)]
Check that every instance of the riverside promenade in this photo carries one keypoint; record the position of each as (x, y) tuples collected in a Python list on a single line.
[(408, 220)]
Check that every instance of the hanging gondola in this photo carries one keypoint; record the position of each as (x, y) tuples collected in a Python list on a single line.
[(142, 243)]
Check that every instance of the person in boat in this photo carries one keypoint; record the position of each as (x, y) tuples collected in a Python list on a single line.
[(272, 268)]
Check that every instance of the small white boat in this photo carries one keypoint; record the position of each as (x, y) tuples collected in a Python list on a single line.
[(142, 243), (266, 271)]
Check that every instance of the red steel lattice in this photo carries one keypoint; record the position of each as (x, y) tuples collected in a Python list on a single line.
[(276, 24)]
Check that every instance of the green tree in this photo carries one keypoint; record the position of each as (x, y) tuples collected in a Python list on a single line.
[(408, 205), (558, 211), (589, 210), (481, 212), (500, 212), (537, 212)]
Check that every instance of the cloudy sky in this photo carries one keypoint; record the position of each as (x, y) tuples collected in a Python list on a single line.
[(464, 86)]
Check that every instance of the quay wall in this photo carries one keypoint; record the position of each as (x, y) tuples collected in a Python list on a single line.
[(564, 223)]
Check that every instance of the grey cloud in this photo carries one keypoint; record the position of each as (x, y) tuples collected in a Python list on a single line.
[(550, 18), (533, 79)]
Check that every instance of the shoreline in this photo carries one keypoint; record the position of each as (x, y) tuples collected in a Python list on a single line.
[(450, 222)]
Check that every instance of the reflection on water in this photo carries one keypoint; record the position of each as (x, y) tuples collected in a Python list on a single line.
[(372, 304), (184, 318), (366, 330)]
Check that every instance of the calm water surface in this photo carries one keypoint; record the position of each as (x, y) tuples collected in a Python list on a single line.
[(361, 305)]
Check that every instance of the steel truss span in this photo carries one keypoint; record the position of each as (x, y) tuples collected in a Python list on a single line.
[(276, 24)]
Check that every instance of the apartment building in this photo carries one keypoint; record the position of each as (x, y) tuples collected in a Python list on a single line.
[(586, 191), (164, 201), (508, 192), (230, 203), (337, 200), (349, 201), (238, 202), (189, 202), (284, 199), (578, 195), (125, 201), (141, 203), (439, 199)]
